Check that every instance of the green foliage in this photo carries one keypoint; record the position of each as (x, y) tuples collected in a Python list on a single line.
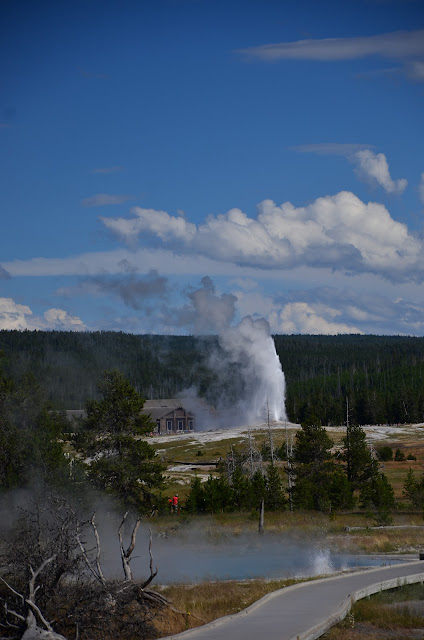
[(377, 493), (356, 454), (381, 375), (385, 453), (313, 445), (313, 468), (413, 489), (30, 435), (399, 455), (275, 499), (120, 462)]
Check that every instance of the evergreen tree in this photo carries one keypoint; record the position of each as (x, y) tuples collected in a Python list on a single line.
[(356, 453), (258, 488), (195, 502), (413, 489), (275, 500), (122, 463), (377, 492)]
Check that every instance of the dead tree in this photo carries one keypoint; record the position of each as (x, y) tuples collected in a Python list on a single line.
[(32, 615)]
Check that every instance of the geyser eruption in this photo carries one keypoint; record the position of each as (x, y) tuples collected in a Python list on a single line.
[(250, 343), (249, 347)]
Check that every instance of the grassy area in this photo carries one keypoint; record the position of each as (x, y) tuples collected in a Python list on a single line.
[(194, 451), (397, 614)]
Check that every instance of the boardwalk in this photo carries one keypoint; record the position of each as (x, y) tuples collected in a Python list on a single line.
[(302, 611)]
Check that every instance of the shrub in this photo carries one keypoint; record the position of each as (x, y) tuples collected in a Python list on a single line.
[(385, 453)]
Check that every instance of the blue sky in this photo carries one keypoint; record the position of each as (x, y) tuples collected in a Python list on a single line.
[(266, 153)]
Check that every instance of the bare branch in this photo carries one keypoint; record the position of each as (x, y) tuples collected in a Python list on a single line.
[(12, 589), (96, 535), (97, 573), (12, 612), (40, 615), (153, 574), (126, 555), (35, 574)]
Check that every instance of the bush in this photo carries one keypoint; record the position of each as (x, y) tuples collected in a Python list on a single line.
[(399, 455), (385, 453)]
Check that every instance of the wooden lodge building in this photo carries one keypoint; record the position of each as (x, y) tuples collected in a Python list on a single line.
[(169, 415)]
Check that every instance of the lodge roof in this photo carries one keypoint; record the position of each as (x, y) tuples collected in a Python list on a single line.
[(161, 407)]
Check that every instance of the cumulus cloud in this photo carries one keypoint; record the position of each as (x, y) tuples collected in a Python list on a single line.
[(339, 232), (104, 199), (374, 168), (333, 310), (300, 317), (404, 46), (159, 223), (20, 317), (370, 167)]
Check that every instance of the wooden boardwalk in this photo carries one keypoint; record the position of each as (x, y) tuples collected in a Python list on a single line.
[(306, 610)]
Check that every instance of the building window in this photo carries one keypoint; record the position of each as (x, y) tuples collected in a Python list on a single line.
[(180, 425), (169, 425), (190, 425)]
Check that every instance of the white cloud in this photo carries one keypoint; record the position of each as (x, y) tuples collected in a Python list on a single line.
[(157, 222), (104, 199), (12, 315), (61, 320), (300, 317), (20, 317), (421, 188), (404, 46), (339, 232), (371, 167), (374, 168)]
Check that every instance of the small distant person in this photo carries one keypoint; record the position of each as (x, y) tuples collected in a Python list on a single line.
[(175, 503), (170, 504)]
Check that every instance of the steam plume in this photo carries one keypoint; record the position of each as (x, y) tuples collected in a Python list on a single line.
[(247, 345)]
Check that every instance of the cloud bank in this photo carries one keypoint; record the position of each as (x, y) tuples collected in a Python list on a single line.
[(339, 232)]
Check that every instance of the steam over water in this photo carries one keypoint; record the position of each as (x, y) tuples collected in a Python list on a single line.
[(194, 558)]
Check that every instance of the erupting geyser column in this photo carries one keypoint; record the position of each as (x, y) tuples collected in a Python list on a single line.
[(250, 343)]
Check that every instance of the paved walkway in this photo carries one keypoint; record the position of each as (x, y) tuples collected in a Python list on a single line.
[(302, 612)]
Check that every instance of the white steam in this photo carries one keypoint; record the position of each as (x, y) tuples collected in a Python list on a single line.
[(250, 343), (249, 347)]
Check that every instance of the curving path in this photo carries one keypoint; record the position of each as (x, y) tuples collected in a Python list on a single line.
[(306, 610)]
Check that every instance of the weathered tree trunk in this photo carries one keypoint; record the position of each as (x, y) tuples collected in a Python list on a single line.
[(261, 516)]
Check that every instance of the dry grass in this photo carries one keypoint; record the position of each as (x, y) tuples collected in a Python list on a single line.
[(207, 601)]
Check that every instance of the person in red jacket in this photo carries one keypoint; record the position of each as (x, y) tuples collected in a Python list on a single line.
[(175, 503)]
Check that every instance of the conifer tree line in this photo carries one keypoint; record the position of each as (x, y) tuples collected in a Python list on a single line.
[(113, 457), (318, 480), (382, 376)]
